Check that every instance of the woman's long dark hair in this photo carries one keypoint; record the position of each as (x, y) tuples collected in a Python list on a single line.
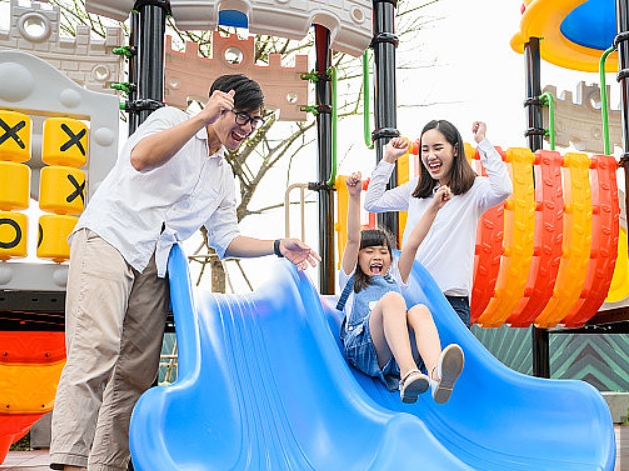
[(371, 238), (462, 173)]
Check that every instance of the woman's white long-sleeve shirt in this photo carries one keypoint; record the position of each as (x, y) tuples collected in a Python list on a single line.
[(447, 252)]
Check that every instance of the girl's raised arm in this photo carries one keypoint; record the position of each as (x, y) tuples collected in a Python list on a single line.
[(350, 256), (407, 256)]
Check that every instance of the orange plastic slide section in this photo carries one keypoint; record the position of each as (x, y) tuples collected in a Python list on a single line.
[(489, 250), (29, 388), (605, 230), (548, 235), (489, 236), (543, 19), (12, 428), (518, 240), (30, 367), (577, 241)]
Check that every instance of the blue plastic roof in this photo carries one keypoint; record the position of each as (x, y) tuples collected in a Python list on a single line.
[(592, 24)]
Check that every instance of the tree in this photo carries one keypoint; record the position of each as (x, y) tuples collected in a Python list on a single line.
[(276, 143)]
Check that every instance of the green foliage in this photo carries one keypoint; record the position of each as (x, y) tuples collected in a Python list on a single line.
[(23, 444)]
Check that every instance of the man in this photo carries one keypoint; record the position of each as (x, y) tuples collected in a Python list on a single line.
[(170, 179)]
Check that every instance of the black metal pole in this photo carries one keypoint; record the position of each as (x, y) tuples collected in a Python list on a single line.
[(134, 27), (535, 136), (532, 103), (323, 89), (622, 46), (384, 44), (150, 57)]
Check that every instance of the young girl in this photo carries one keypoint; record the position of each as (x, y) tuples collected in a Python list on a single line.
[(448, 250), (377, 328)]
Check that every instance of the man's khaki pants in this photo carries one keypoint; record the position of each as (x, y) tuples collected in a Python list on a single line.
[(115, 321)]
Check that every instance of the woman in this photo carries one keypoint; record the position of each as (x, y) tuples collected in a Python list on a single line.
[(447, 252)]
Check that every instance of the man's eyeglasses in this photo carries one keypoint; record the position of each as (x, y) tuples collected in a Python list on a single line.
[(243, 119)]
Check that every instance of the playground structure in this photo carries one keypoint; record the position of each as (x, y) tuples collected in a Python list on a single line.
[(50, 133), (514, 236)]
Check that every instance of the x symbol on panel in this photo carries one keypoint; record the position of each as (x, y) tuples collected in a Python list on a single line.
[(75, 139), (78, 192), (12, 132)]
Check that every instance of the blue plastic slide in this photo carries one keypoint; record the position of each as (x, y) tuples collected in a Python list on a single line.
[(263, 386)]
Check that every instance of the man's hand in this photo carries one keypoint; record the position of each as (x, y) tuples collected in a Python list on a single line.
[(298, 253), (218, 104)]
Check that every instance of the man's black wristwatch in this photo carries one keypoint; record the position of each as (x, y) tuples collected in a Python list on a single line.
[(276, 248)]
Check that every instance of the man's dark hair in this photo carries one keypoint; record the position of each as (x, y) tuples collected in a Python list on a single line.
[(248, 97)]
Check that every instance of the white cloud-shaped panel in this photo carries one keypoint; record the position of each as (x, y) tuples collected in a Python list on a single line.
[(349, 21)]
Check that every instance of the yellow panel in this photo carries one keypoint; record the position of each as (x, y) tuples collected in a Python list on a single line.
[(29, 388), (470, 151), (518, 241), (341, 221), (53, 236), (15, 136), (14, 185), (13, 235), (65, 142), (61, 190), (619, 288), (403, 176), (577, 241)]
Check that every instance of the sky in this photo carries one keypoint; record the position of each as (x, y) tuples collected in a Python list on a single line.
[(476, 76), (479, 77)]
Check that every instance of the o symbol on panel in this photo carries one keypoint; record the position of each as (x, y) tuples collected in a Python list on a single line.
[(18, 234)]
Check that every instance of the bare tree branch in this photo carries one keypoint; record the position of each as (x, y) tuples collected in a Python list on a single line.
[(263, 151)]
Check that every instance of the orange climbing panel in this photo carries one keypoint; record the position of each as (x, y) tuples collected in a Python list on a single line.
[(518, 240), (30, 367), (605, 230), (548, 234), (577, 241), (489, 250)]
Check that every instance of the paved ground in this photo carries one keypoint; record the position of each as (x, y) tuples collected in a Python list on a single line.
[(622, 443), (37, 460)]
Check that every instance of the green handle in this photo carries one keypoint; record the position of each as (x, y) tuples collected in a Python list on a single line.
[(549, 100), (366, 100), (604, 110)]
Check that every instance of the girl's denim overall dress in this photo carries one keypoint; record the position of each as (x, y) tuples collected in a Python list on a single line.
[(355, 335)]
